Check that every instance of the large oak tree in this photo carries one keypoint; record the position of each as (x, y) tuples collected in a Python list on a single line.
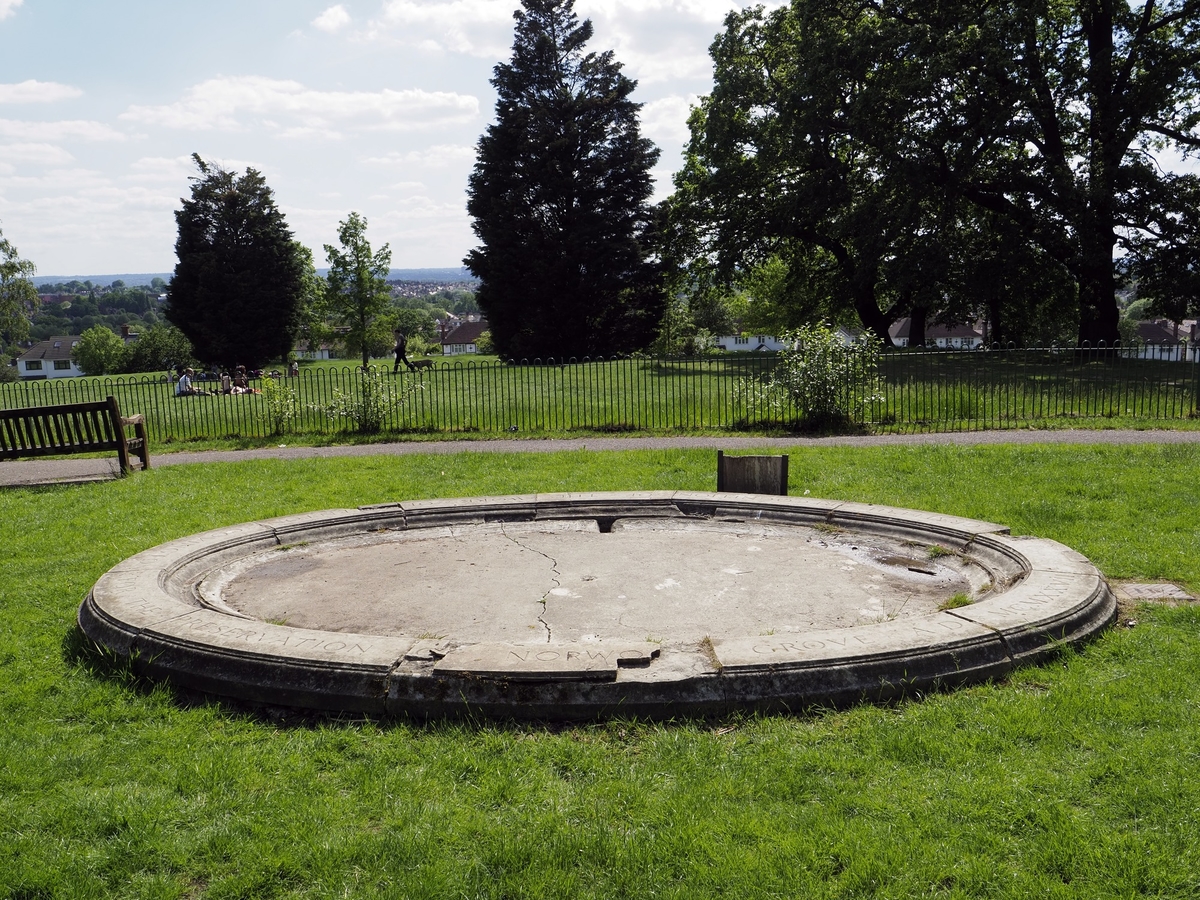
[(895, 142), (559, 198)]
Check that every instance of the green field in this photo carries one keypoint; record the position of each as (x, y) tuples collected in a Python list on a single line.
[(917, 391), (1076, 779)]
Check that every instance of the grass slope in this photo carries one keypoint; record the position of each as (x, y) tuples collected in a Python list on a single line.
[(1074, 779)]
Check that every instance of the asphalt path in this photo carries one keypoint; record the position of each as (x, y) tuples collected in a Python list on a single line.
[(25, 473)]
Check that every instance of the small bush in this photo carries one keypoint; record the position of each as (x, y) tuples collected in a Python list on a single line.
[(828, 382), (280, 404), (376, 400)]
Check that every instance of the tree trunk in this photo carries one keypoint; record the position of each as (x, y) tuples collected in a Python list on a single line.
[(1098, 313), (1099, 316), (872, 318), (916, 328), (995, 325)]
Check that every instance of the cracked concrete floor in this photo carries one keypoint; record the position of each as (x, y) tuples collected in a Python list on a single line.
[(670, 580)]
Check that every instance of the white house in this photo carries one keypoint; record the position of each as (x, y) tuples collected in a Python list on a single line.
[(49, 359), (323, 351), (742, 343), (1165, 340), (463, 338), (945, 337), (767, 343)]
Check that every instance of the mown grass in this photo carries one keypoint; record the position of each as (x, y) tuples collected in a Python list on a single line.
[(479, 396), (1074, 779)]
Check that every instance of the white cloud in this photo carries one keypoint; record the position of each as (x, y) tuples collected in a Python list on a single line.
[(290, 109), (36, 91), (656, 39), (431, 157), (39, 154), (8, 7), (473, 27), (76, 129), (665, 121), (172, 170), (332, 20)]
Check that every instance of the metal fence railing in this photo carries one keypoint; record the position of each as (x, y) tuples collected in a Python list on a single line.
[(936, 390)]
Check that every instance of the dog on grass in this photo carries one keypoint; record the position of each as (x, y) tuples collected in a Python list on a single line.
[(422, 364)]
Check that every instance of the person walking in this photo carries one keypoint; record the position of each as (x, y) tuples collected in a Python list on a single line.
[(401, 351)]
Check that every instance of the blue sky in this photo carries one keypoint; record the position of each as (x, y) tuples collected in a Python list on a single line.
[(372, 106)]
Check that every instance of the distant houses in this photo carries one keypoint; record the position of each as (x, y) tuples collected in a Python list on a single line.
[(744, 343), (49, 359), (944, 337)]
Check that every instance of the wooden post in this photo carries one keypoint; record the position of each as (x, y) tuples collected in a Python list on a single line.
[(752, 474)]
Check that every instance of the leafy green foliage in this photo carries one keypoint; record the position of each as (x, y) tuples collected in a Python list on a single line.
[(377, 397), (831, 383), (357, 292), (240, 281), (559, 199), (18, 296), (314, 327), (159, 349), (100, 352), (74, 306), (898, 158), (415, 323), (279, 404)]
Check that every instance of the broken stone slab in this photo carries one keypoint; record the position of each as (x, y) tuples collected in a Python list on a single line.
[(331, 523), (785, 510), (1159, 591), (467, 510), (953, 532), (541, 662)]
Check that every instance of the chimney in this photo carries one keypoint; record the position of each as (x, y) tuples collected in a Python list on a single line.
[(125, 332)]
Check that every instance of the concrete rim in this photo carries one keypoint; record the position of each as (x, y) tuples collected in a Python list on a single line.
[(148, 608)]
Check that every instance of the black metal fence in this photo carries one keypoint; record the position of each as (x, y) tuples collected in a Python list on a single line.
[(918, 390)]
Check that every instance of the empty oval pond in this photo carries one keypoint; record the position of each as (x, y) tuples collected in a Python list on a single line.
[(576, 606)]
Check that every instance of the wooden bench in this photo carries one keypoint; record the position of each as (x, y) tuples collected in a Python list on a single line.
[(73, 428)]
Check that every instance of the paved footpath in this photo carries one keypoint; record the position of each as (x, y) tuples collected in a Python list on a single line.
[(23, 473)]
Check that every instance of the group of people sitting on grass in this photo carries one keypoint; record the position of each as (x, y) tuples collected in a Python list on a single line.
[(237, 383)]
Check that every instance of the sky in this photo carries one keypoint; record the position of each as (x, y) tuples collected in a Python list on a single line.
[(366, 105)]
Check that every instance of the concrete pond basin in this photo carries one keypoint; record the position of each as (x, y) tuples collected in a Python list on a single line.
[(578, 606)]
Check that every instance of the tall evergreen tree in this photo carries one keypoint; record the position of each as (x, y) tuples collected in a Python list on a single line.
[(559, 197), (239, 282)]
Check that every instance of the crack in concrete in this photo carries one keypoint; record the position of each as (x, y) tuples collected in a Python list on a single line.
[(554, 576)]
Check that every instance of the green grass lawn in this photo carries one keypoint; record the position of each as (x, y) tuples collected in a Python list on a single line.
[(1077, 779), (471, 395)]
